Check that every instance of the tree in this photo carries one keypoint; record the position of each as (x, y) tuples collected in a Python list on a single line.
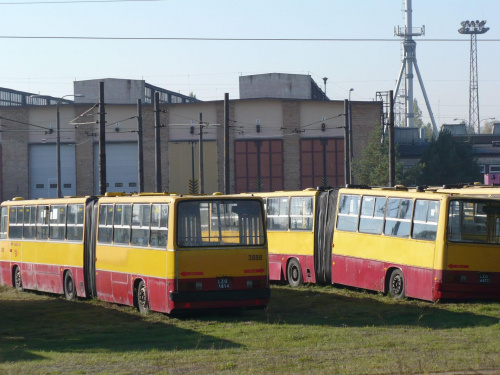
[(192, 95), (447, 161), (373, 167)]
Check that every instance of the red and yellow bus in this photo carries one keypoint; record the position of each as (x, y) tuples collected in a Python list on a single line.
[(161, 252), (427, 245)]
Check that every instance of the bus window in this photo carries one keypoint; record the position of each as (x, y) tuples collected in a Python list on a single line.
[(42, 222), (277, 213), (141, 214), (3, 225), (105, 234), (121, 223), (372, 215), (57, 223), (398, 219), (159, 225), (75, 222), (347, 218), (301, 213), (247, 228), (29, 222), (425, 219), (16, 222), (473, 221)]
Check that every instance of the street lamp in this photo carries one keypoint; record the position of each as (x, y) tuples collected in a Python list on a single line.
[(58, 139)]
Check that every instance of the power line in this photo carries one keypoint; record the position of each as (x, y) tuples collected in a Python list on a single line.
[(231, 39), (74, 2)]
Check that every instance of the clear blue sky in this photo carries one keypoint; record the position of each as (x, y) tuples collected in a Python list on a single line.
[(211, 68)]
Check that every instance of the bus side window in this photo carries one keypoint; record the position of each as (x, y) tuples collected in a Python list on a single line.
[(277, 213), (121, 223), (141, 215), (3, 225), (16, 222), (372, 215), (42, 222), (29, 222), (301, 213), (75, 222), (398, 219), (425, 220), (105, 223), (159, 225), (57, 222), (347, 218)]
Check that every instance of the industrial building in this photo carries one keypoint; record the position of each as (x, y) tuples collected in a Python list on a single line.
[(291, 138)]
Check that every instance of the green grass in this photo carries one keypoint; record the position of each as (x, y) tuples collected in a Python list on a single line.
[(310, 330)]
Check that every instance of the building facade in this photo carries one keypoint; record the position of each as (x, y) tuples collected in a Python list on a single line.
[(274, 144)]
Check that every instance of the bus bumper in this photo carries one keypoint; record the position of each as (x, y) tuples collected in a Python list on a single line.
[(227, 295)]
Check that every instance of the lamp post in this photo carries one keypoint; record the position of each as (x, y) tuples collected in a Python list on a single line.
[(58, 138)]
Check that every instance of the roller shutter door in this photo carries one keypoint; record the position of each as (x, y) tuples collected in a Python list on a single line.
[(42, 170), (121, 167)]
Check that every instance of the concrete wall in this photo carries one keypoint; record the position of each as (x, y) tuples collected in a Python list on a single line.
[(116, 91), (275, 85)]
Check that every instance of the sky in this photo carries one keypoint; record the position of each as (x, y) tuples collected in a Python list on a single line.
[(58, 42)]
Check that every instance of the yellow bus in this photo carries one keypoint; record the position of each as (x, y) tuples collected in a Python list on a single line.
[(428, 245), (163, 252)]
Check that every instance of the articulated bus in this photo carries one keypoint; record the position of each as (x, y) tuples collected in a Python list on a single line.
[(427, 245), (161, 252)]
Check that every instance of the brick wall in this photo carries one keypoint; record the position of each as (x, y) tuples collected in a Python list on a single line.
[(15, 166)]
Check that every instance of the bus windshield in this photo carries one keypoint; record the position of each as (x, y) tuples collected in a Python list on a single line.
[(203, 223), (474, 221)]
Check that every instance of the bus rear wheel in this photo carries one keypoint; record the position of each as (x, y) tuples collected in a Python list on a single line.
[(69, 286), (397, 284), (18, 281), (142, 298), (294, 273)]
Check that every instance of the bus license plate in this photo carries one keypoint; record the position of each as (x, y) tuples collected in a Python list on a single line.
[(223, 283), (484, 278)]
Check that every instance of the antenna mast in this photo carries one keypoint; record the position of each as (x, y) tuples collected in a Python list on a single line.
[(409, 62)]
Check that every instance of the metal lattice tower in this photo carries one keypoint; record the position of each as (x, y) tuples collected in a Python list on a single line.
[(410, 62), (473, 28)]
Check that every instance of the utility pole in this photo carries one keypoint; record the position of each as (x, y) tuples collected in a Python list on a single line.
[(347, 167), (227, 177), (202, 182), (102, 141), (157, 142), (392, 154), (140, 149)]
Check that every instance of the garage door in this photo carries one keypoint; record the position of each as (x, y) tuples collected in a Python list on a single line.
[(42, 171), (121, 167)]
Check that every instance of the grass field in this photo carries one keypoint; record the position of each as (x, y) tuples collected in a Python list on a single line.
[(307, 330)]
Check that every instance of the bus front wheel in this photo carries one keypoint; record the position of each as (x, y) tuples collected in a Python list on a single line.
[(18, 281), (397, 284), (69, 286), (142, 298), (294, 273)]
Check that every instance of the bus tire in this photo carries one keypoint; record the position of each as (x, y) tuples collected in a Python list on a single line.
[(142, 298), (397, 284), (294, 273), (17, 279), (69, 286)]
